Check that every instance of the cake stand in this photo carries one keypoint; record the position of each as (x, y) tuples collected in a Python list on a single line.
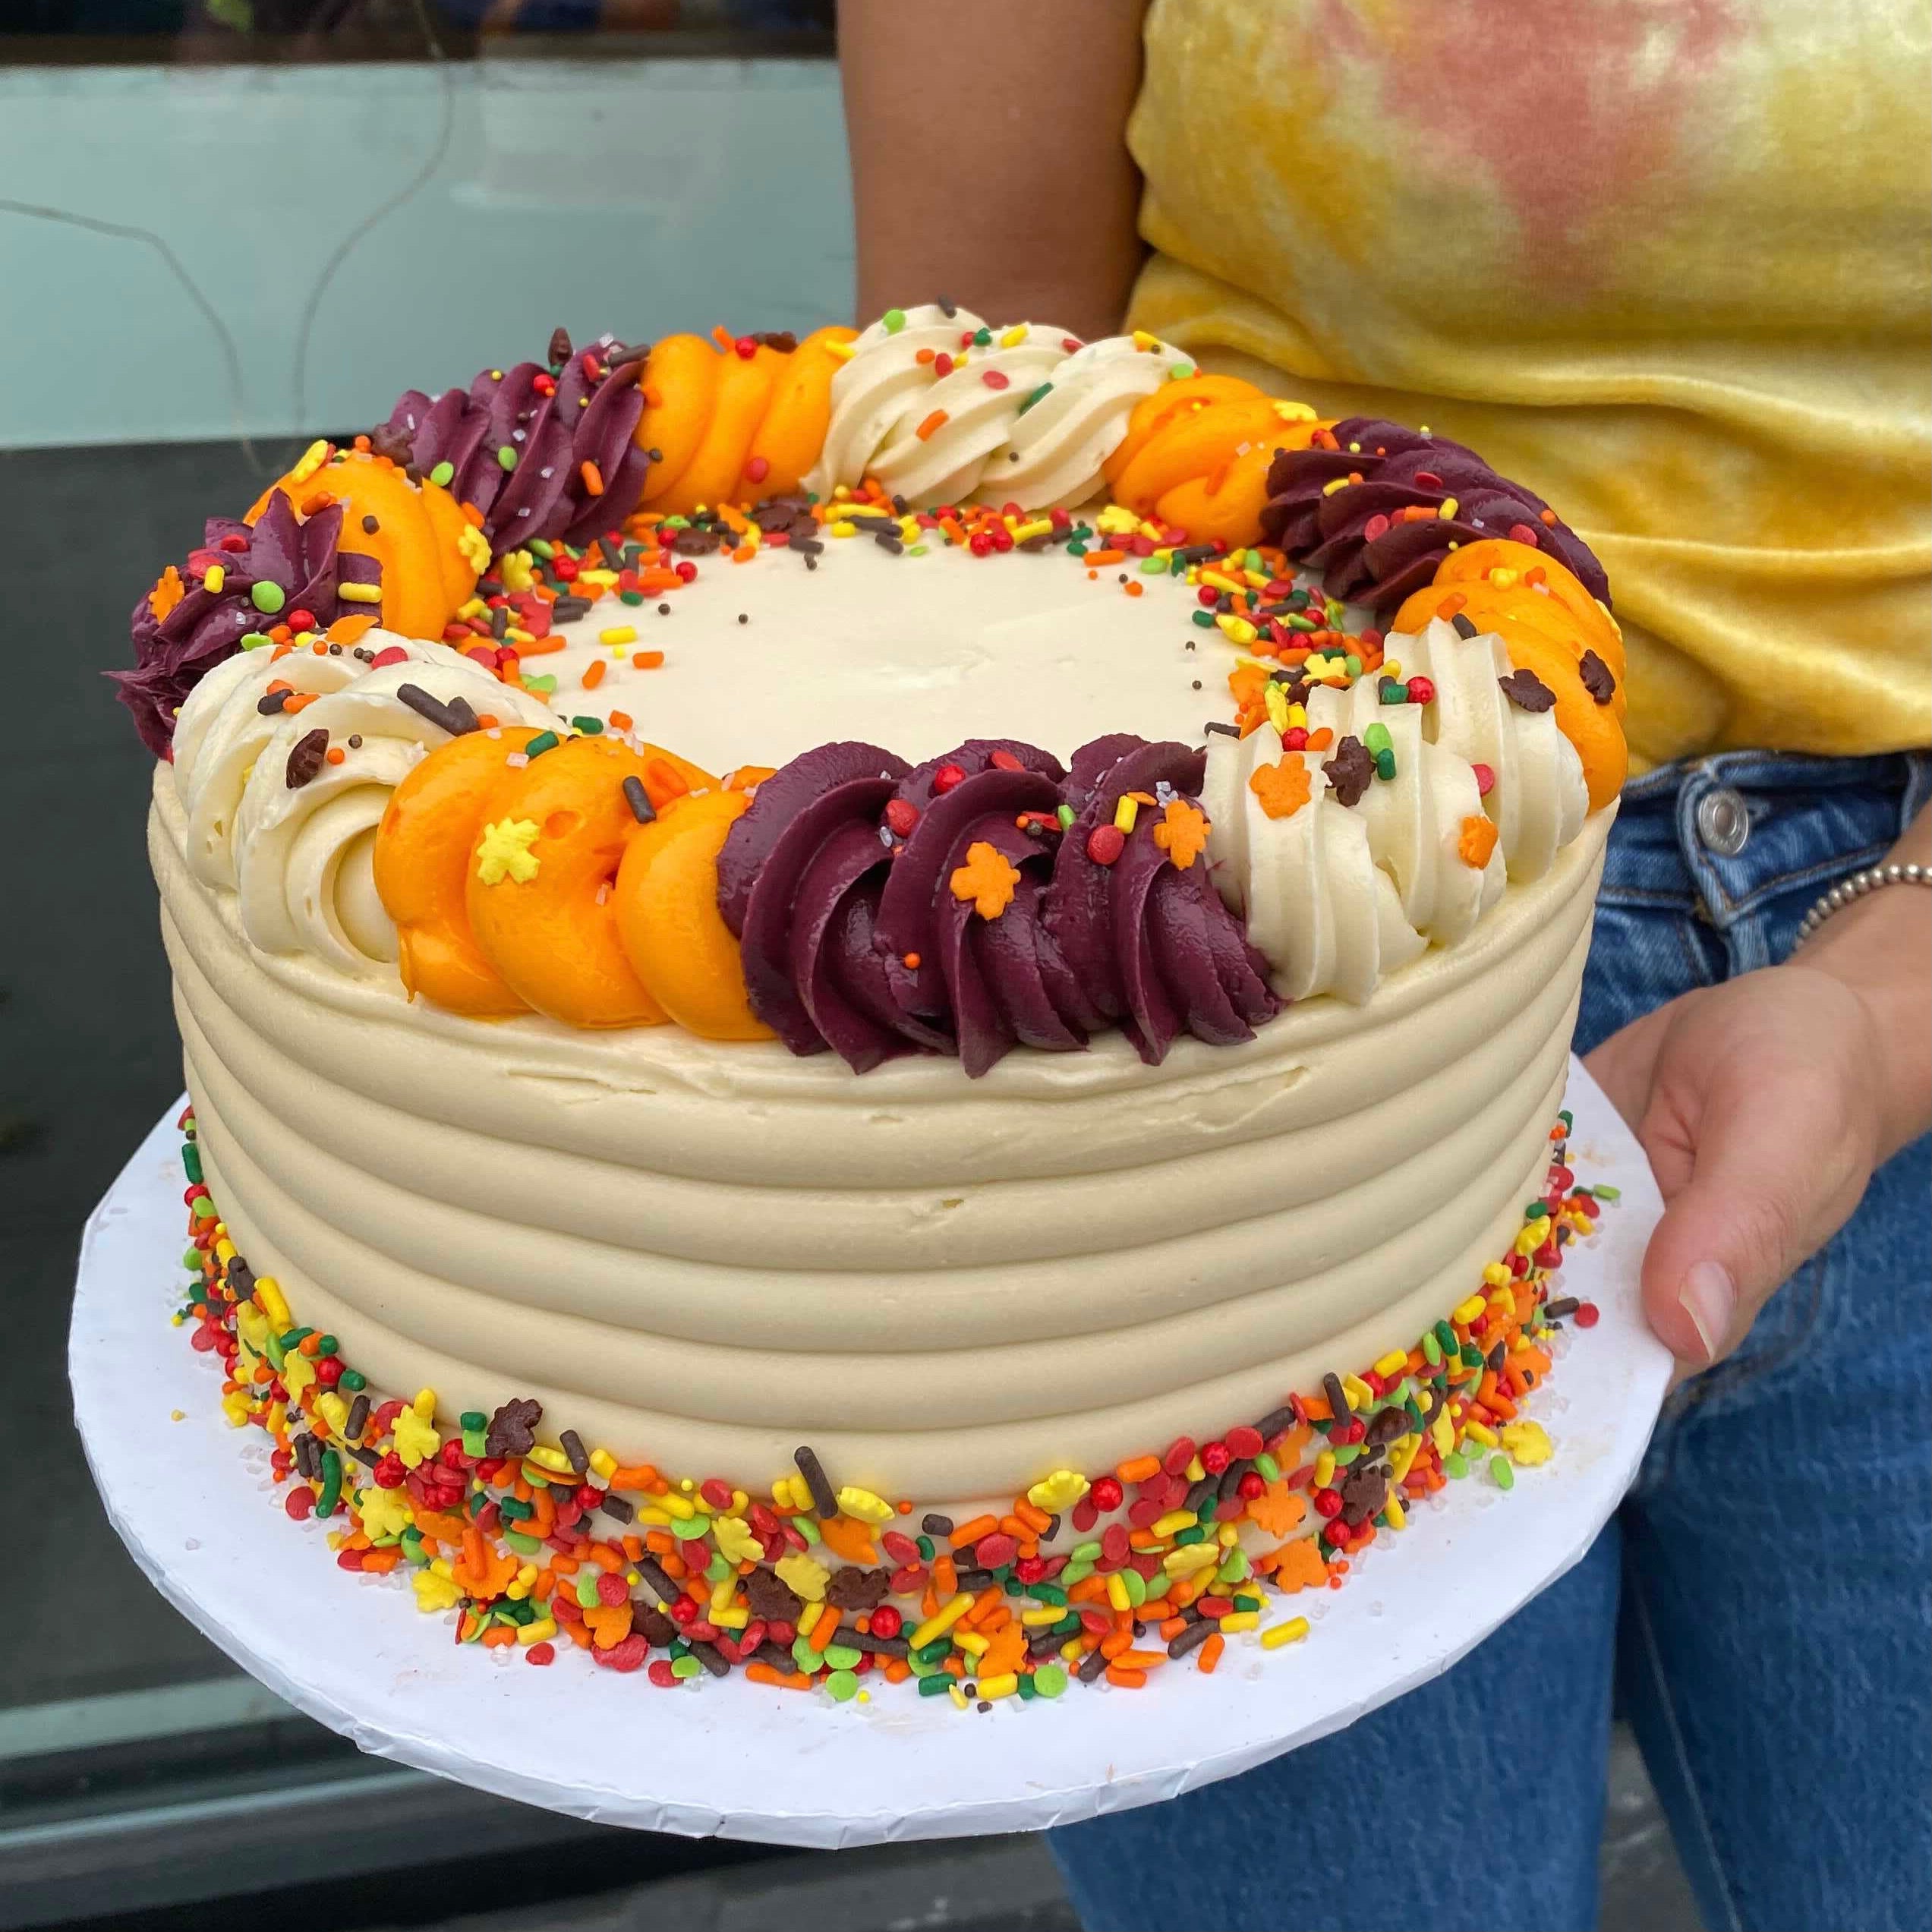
[(193, 1500)]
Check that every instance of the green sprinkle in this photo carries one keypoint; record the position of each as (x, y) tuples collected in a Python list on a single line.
[(926, 1549), (1155, 565), (1234, 1567), (1247, 1602), (1049, 1680), (630, 597), (1203, 619), (936, 1685), (690, 1529), (893, 321), (843, 1656), (1086, 1553), (1135, 1584), (330, 1500), (933, 1652), (506, 457), (808, 1659), (1352, 665), (1027, 1692), (353, 1380), (1568, 1119), (1605, 1192), (1267, 1467), (253, 640), (1193, 1533), (805, 1525), (1432, 1349), (517, 1512), (191, 1166), (1501, 1473), (1377, 739), (685, 1666), (443, 475), (1179, 372), (1064, 813), (1455, 1463), (1033, 396), (1346, 1454), (472, 1419), (588, 727), (544, 741), (543, 548), (981, 338), (842, 1686), (1075, 1572), (916, 550), (1385, 765), (524, 1545), (1046, 1592), (587, 1596), (474, 1441)]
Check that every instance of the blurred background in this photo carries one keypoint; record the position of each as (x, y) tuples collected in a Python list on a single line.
[(226, 227)]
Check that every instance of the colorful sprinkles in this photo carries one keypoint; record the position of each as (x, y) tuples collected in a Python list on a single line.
[(1171, 1554)]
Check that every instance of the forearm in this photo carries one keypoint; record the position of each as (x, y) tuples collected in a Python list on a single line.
[(1881, 946), (989, 158)]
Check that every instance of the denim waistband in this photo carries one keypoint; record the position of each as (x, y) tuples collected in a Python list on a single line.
[(1745, 840)]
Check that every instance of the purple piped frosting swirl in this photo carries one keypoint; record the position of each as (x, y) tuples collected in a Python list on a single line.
[(174, 652), (1351, 536), (551, 423), (836, 881)]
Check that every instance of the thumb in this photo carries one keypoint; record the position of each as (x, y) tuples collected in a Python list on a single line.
[(1762, 1195)]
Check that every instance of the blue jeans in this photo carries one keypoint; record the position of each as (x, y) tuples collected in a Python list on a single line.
[(1759, 1605)]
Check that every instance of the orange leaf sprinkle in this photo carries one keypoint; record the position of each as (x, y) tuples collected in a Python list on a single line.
[(987, 879), (168, 591), (1478, 841), (1282, 788), (1182, 834)]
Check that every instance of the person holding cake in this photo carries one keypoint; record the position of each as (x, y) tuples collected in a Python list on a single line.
[(1671, 269)]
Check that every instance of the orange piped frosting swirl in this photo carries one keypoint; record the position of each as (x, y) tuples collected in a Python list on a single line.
[(730, 427), (1196, 455)]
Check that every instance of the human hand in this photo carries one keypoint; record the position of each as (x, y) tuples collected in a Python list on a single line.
[(1761, 1104)]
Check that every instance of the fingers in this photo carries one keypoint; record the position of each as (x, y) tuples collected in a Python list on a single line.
[(1768, 1182)]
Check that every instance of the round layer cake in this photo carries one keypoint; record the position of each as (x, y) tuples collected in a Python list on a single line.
[(1134, 984)]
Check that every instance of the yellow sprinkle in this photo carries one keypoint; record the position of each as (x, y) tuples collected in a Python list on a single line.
[(1528, 1443), (1039, 527), (840, 351), (958, 1696), (1237, 630), (723, 1593), (1449, 508), (1215, 581), (359, 593), (1011, 339), (535, 1633), (1393, 1363), (1294, 412), (1442, 1433), (972, 1643), (1484, 1435), (1186, 1561), (1239, 1620), (1393, 1510), (804, 1576), (1175, 1519), (1358, 1392), (1195, 1472), (949, 1613), (843, 527), (1325, 1469), (730, 1619), (1001, 1686), (1117, 1593), (1467, 1311), (865, 1506), (1228, 1535), (867, 509), (603, 1462), (213, 578), (1125, 813), (1496, 1276), (1141, 340), (1275, 701), (681, 1507), (311, 460), (1339, 482), (503, 852), (1297, 716), (1040, 1619), (553, 1460), (618, 634), (1404, 1452), (1293, 1631), (224, 1249), (1058, 1492)]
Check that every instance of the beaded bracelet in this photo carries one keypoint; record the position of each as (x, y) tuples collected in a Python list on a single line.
[(1856, 887)]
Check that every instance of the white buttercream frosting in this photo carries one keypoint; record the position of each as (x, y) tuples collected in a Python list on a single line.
[(1030, 418)]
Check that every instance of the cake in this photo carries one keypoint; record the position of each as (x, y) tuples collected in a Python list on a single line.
[(1057, 1151)]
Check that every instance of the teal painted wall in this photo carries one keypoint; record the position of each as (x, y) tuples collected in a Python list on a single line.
[(638, 196)]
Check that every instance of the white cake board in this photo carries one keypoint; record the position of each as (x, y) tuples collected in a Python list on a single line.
[(194, 1501)]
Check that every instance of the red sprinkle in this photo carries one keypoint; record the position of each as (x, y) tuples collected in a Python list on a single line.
[(1588, 1315), (1105, 843), (541, 1653), (946, 777), (901, 815), (993, 379), (1521, 533), (1485, 780)]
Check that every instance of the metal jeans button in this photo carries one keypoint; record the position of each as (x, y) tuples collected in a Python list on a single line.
[(1723, 822)]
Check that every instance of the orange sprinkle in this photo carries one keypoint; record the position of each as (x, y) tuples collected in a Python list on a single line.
[(622, 720), (640, 660), (593, 673), (1133, 587), (780, 1680), (932, 425), (1106, 556), (925, 356), (1140, 1470), (593, 477), (980, 1526), (723, 337), (823, 1630), (1208, 1655), (335, 754), (1128, 1680)]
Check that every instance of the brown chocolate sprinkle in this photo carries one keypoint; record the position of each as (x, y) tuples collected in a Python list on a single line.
[(454, 717), (1338, 1396), (1091, 1666), (1527, 692), (1349, 772), (305, 760), (650, 1574), (1223, 730), (1191, 1638), (559, 345), (1563, 1305), (393, 440), (1596, 678), (617, 1507), (852, 1588), (1277, 1421), (358, 1418), (571, 1444), (370, 526), (638, 799), (512, 1429), (270, 703), (771, 1597), (824, 1498), (936, 1525), (1464, 626), (710, 1657)]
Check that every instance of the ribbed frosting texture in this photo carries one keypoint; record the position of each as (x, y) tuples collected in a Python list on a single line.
[(705, 1254)]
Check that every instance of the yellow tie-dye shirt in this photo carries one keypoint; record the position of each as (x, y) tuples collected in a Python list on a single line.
[(1668, 261)]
